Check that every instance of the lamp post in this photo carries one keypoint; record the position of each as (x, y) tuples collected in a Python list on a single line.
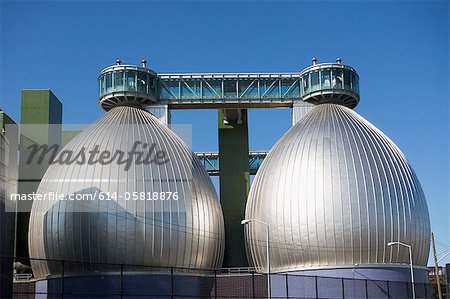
[(410, 262), (247, 221)]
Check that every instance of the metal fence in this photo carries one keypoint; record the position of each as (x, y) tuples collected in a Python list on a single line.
[(106, 280)]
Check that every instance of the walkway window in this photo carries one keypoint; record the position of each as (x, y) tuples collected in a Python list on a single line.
[(347, 79), (130, 80), (108, 79), (326, 78), (211, 88), (101, 82), (151, 82), (315, 84), (248, 88), (305, 84), (190, 89), (142, 82), (170, 89), (270, 88), (118, 80), (289, 88), (336, 78), (355, 82), (229, 88)]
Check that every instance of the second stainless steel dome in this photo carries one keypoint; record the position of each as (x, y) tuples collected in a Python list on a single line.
[(335, 191)]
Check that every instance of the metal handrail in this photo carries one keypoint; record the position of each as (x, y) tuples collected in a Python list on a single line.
[(22, 276)]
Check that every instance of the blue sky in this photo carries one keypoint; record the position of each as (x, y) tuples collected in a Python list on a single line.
[(399, 48)]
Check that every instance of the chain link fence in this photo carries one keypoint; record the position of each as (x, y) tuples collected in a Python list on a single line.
[(106, 280)]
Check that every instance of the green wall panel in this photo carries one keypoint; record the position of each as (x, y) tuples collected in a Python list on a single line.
[(40, 108)]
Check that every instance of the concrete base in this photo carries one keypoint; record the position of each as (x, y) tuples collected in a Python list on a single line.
[(357, 282)]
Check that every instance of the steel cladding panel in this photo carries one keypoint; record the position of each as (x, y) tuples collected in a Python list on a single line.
[(335, 190)]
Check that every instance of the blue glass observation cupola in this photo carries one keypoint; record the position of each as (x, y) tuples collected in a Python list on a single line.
[(127, 85), (334, 83)]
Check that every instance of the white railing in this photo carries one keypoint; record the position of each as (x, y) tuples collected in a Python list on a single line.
[(22, 276)]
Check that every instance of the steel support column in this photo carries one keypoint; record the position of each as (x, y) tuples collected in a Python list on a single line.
[(234, 181), (161, 112), (299, 110)]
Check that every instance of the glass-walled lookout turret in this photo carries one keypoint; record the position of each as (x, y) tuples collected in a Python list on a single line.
[(127, 85), (330, 83)]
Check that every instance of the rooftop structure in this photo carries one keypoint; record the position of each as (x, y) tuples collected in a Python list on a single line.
[(319, 83)]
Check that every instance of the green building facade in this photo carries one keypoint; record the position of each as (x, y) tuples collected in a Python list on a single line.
[(8, 185), (40, 123)]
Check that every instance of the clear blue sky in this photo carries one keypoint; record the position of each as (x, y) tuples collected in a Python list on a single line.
[(399, 48)]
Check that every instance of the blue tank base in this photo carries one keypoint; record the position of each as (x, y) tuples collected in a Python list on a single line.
[(132, 285), (352, 282)]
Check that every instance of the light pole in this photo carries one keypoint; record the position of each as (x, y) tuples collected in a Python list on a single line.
[(247, 221), (410, 262), (436, 267)]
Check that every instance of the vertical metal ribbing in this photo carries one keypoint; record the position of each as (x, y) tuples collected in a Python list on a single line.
[(363, 162), (143, 236), (343, 190)]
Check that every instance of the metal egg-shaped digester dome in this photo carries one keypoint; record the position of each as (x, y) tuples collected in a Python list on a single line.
[(141, 224), (335, 191)]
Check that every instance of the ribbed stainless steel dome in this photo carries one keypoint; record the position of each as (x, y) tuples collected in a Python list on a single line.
[(188, 232), (334, 191)]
